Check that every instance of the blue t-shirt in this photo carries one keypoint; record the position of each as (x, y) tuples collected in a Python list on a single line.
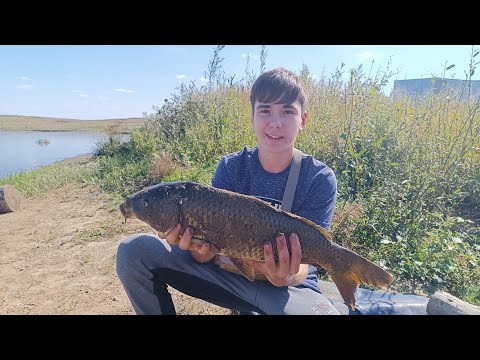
[(315, 194)]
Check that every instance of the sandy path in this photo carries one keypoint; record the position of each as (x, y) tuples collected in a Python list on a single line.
[(57, 256)]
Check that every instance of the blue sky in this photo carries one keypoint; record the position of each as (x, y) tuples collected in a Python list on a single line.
[(118, 81)]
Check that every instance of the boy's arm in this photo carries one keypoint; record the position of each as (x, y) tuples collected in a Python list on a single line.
[(221, 178)]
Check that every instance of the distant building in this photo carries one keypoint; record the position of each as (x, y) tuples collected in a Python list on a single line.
[(416, 88)]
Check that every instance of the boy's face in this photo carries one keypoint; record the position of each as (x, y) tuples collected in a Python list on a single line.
[(276, 125)]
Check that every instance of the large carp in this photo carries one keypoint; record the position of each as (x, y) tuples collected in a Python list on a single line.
[(238, 225)]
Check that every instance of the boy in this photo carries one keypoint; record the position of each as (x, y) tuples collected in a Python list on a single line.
[(147, 264)]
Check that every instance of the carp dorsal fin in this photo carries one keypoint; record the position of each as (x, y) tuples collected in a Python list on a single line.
[(247, 270), (322, 231)]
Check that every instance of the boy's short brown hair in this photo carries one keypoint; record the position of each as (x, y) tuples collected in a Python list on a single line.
[(279, 85)]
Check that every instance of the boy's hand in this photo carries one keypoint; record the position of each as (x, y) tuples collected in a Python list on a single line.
[(281, 273), (185, 241)]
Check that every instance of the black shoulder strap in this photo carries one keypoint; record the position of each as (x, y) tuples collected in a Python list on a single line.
[(292, 180)]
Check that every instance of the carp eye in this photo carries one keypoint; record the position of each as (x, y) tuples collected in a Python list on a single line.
[(145, 203)]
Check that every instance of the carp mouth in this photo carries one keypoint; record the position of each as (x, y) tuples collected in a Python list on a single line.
[(126, 210)]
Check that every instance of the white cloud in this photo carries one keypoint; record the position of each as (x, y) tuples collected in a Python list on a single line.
[(181, 77), (83, 95), (314, 76), (124, 90), (24, 78), (202, 79), (365, 55), (26, 87)]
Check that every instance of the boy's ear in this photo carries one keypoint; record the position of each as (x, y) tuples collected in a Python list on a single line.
[(304, 120)]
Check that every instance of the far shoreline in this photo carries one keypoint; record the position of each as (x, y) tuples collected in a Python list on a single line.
[(35, 123)]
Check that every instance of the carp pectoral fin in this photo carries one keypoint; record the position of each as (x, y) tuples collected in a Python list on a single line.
[(246, 270), (346, 283), (200, 241)]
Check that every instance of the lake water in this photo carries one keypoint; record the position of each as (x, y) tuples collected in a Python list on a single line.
[(26, 150)]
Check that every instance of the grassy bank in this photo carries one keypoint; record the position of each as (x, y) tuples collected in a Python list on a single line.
[(35, 123), (39, 181)]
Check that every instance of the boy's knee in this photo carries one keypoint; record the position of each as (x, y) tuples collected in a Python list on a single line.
[(132, 248)]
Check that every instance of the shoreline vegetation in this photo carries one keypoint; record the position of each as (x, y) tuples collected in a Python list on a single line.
[(37, 123)]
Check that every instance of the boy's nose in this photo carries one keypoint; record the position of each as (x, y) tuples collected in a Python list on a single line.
[(276, 121)]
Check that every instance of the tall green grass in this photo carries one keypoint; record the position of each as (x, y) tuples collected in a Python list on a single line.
[(410, 166)]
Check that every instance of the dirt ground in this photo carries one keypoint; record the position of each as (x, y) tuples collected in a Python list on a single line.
[(57, 256)]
